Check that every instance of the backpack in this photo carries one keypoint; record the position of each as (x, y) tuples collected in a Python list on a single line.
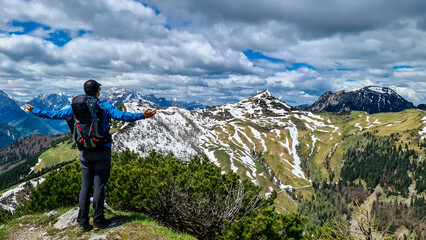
[(87, 124)]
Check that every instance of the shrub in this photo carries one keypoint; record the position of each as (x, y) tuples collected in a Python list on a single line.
[(195, 197), (188, 196), (265, 223), (5, 216)]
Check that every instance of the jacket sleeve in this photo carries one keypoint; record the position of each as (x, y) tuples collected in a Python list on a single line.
[(55, 114), (114, 113)]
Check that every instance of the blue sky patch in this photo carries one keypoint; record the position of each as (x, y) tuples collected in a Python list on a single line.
[(27, 26), (81, 32), (344, 69), (59, 37), (350, 80), (399, 67), (258, 55), (296, 66)]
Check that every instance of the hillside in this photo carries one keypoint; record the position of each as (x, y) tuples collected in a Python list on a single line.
[(264, 139), (26, 147)]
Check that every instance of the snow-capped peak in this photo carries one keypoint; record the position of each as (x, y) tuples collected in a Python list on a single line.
[(117, 96), (260, 105), (381, 90), (263, 94)]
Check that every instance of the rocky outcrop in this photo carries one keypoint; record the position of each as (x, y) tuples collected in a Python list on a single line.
[(67, 219)]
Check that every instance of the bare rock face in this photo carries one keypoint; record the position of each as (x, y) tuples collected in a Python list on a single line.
[(371, 99), (67, 219)]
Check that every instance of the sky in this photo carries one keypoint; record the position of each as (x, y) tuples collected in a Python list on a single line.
[(213, 52)]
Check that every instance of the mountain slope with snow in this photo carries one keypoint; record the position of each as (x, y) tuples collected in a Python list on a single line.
[(261, 138)]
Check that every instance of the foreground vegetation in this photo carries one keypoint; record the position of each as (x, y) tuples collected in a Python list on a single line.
[(127, 225), (192, 197)]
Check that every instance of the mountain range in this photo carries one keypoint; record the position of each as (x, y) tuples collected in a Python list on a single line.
[(16, 123), (117, 96)]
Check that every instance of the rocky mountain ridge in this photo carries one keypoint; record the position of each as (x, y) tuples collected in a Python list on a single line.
[(117, 96), (371, 99)]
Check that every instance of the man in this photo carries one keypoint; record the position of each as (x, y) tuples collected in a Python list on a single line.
[(95, 163)]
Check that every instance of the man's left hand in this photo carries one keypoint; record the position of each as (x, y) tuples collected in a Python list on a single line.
[(29, 107)]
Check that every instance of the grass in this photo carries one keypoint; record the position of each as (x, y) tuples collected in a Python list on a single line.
[(406, 123), (58, 154), (224, 158), (284, 201), (127, 225)]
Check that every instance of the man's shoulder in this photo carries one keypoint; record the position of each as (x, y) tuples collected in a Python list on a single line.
[(105, 104)]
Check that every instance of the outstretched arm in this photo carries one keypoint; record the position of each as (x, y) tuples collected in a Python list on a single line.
[(56, 114), (114, 113)]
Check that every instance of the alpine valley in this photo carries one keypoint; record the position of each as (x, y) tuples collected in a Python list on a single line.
[(362, 174)]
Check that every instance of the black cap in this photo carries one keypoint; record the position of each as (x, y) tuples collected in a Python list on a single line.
[(91, 87)]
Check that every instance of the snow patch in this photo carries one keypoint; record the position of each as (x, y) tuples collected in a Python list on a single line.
[(294, 134), (8, 200), (258, 136), (38, 163), (422, 132)]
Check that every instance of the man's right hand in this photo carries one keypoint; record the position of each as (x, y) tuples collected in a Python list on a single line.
[(149, 113), (29, 107)]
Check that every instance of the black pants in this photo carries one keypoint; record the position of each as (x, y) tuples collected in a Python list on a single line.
[(95, 171)]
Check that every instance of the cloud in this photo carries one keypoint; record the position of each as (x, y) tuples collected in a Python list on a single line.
[(199, 50)]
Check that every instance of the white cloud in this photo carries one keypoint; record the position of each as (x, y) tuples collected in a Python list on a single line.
[(192, 49)]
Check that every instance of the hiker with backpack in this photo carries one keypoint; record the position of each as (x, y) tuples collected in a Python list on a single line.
[(88, 118)]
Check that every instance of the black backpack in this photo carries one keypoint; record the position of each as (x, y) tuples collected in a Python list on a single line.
[(87, 124)]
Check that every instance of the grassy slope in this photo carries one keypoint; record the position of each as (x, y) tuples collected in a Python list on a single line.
[(58, 154), (408, 128)]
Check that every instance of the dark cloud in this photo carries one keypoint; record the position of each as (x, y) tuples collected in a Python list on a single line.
[(311, 17)]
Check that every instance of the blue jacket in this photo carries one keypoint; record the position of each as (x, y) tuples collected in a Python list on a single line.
[(107, 110)]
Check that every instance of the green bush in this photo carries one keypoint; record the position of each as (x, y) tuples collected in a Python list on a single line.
[(265, 223), (5, 216), (191, 196)]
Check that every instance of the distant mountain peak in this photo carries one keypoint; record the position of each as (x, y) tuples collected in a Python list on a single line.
[(263, 94), (263, 104), (116, 96), (371, 99)]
